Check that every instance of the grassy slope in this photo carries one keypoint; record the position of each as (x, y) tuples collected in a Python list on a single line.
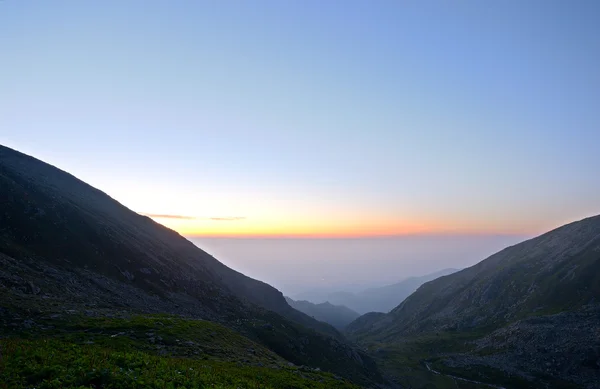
[(406, 361), (142, 351), (267, 334)]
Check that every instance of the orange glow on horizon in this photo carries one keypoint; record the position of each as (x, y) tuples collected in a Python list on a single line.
[(357, 235), (324, 230)]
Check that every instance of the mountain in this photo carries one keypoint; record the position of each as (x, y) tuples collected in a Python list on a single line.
[(382, 299), (66, 245), (526, 316), (320, 294), (338, 316)]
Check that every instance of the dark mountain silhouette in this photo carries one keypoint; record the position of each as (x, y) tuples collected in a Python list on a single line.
[(530, 311), (65, 243), (338, 316)]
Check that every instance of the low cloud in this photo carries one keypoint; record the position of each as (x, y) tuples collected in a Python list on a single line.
[(162, 216), (228, 219), (184, 217)]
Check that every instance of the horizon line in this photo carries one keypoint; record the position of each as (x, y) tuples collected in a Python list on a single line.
[(360, 236)]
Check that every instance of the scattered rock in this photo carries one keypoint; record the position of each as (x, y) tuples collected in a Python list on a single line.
[(28, 323), (128, 275), (33, 289)]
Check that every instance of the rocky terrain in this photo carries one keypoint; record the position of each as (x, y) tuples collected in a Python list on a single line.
[(565, 344), (530, 311), (68, 247)]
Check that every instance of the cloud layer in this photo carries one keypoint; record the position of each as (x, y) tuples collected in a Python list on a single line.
[(184, 217), (228, 219), (163, 216)]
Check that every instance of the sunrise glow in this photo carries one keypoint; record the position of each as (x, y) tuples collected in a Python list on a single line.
[(321, 229)]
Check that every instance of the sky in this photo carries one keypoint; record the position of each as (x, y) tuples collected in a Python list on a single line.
[(314, 118)]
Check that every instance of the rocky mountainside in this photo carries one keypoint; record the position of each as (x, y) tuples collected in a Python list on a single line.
[(338, 316), (385, 298), (66, 244), (531, 310)]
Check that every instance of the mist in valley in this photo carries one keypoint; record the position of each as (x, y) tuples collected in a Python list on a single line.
[(312, 269)]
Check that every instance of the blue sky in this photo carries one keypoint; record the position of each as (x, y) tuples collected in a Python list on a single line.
[(312, 117)]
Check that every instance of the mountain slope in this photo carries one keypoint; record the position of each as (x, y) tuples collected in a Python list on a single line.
[(52, 214), (386, 298), (338, 316), (69, 350), (521, 310), (65, 242)]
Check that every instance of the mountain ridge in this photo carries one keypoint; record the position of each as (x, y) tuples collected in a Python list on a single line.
[(65, 242), (519, 312), (383, 298), (338, 316)]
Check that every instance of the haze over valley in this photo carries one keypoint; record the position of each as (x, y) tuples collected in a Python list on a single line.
[(309, 268), (299, 194)]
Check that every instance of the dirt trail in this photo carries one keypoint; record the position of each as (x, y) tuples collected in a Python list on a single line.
[(462, 379)]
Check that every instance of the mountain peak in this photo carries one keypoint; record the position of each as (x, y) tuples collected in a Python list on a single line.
[(66, 241)]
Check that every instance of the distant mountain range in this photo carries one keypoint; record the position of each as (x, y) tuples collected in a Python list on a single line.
[(382, 299), (338, 316), (528, 316)]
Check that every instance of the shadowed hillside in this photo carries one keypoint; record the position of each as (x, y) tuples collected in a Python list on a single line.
[(66, 244), (531, 311)]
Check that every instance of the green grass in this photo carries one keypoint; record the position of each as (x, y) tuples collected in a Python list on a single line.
[(155, 351), (52, 363), (488, 374), (265, 339), (484, 374), (178, 336), (406, 361)]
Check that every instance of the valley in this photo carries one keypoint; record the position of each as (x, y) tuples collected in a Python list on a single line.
[(95, 295), (299, 194)]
